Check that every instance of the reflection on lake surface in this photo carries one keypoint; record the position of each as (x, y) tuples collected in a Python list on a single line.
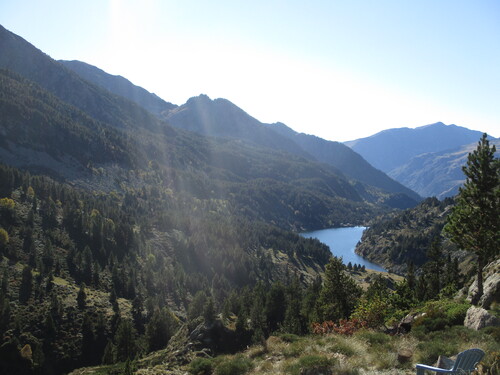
[(342, 242)]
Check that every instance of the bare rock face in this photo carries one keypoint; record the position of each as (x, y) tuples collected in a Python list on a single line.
[(478, 318), (491, 285)]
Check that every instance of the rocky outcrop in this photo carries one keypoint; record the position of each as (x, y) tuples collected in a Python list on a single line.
[(491, 285), (478, 318), (406, 323)]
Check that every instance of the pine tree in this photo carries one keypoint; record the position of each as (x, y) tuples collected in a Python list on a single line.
[(434, 269), (410, 276), (209, 311), (26, 285), (474, 223), (340, 292), (108, 358), (159, 329), (88, 341), (275, 306), (81, 297), (125, 341), (294, 322)]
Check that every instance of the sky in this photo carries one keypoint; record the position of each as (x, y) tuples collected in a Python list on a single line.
[(340, 70)]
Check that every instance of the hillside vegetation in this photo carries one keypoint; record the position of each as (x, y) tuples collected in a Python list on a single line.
[(138, 247)]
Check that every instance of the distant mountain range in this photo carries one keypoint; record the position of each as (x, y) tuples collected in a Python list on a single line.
[(221, 118), (427, 159), (437, 174), (389, 167)]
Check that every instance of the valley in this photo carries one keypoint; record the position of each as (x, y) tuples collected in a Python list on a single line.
[(140, 236)]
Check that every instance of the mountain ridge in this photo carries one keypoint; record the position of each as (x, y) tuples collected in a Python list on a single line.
[(222, 118), (342, 157), (439, 173), (392, 150), (120, 86)]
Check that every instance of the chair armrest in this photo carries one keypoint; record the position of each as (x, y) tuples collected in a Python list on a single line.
[(422, 368)]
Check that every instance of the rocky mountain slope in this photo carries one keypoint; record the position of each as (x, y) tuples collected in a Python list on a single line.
[(393, 149), (436, 174)]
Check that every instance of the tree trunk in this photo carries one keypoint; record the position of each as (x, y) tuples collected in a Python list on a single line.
[(480, 266)]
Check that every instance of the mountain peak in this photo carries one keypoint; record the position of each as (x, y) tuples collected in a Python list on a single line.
[(200, 98), (390, 149)]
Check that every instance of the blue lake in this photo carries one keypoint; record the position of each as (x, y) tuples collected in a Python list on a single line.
[(342, 242)]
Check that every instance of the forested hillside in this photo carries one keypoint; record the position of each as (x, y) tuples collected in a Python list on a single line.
[(130, 254), (221, 118), (126, 241), (397, 239), (117, 227)]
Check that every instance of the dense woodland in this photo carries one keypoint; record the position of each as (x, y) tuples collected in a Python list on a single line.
[(68, 254), (91, 278), (398, 239)]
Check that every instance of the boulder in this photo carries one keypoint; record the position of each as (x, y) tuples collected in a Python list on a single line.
[(491, 285), (491, 291), (406, 323), (478, 318)]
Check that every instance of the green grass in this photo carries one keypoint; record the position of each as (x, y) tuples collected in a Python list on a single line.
[(310, 362), (237, 365)]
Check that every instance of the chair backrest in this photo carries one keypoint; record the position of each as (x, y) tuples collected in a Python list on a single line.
[(468, 359)]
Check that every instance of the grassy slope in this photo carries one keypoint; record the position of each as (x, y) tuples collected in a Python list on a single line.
[(366, 352)]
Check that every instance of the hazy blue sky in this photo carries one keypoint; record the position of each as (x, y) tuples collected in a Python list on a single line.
[(337, 69)]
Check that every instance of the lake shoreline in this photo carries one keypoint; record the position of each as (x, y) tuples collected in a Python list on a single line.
[(342, 242)]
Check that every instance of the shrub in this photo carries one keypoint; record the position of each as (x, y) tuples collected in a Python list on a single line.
[(237, 365), (374, 311), (441, 314), (289, 337), (310, 362), (494, 332), (201, 366), (343, 327)]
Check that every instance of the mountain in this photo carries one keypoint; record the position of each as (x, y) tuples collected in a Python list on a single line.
[(223, 119), (42, 133), (346, 160), (437, 174), (118, 230), (290, 190), (120, 86), (23, 58), (112, 221), (390, 149)]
